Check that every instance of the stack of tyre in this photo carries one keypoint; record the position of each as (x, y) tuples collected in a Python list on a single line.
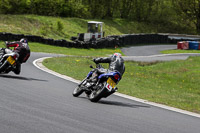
[(192, 45)]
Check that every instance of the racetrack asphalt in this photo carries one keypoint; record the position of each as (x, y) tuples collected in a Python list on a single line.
[(151, 53), (146, 50), (38, 102)]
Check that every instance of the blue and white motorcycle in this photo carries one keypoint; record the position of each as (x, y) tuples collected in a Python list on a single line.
[(99, 83)]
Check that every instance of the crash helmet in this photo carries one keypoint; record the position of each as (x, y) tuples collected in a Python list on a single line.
[(116, 55), (24, 40)]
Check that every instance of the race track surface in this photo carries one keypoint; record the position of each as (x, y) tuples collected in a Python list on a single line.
[(151, 53), (38, 102), (146, 50)]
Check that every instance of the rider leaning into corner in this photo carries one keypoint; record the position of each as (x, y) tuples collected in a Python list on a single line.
[(22, 51), (116, 63)]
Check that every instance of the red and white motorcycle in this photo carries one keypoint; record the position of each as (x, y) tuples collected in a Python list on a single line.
[(8, 61)]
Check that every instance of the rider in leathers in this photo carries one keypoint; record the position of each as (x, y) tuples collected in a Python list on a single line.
[(22, 51), (116, 63)]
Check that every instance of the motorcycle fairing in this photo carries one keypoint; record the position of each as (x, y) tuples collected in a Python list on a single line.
[(89, 74), (110, 74)]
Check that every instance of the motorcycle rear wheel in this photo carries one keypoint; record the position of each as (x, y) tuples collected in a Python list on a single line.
[(96, 95)]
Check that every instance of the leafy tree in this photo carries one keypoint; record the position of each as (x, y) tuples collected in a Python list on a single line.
[(162, 13), (13, 6), (190, 11)]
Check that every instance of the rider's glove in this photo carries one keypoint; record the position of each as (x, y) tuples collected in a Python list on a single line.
[(6, 44), (94, 60)]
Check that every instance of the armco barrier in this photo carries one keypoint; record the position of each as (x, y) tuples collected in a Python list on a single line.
[(107, 42)]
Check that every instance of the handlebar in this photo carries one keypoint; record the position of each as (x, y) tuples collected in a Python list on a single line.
[(97, 66)]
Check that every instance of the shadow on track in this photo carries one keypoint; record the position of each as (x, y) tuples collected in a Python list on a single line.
[(115, 103), (120, 104), (20, 78)]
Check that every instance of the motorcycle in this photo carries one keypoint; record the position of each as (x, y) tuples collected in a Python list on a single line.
[(7, 61), (98, 84)]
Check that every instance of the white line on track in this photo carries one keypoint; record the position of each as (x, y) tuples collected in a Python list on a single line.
[(161, 55), (38, 64)]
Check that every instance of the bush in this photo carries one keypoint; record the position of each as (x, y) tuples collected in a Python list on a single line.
[(59, 26)]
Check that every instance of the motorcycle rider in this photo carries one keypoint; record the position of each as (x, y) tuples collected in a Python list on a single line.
[(116, 63), (22, 51)]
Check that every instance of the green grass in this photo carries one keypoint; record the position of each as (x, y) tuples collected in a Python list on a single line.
[(174, 83), (47, 26), (41, 25), (38, 47), (179, 51)]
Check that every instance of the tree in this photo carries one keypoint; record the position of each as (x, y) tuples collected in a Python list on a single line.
[(189, 10), (13, 6), (126, 7)]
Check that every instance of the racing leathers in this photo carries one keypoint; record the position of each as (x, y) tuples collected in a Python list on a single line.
[(22, 51), (116, 63)]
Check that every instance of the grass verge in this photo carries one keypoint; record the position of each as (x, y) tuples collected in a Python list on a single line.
[(48, 26), (65, 28), (38, 47), (174, 83), (179, 51)]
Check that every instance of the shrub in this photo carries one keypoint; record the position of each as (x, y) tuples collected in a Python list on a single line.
[(60, 26)]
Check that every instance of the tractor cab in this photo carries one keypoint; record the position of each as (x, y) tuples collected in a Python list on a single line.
[(95, 27), (94, 32)]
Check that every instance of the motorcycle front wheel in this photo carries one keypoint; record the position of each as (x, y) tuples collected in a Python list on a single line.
[(78, 90), (4, 66)]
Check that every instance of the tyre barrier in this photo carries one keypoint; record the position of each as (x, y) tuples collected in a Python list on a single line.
[(107, 42), (188, 45)]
